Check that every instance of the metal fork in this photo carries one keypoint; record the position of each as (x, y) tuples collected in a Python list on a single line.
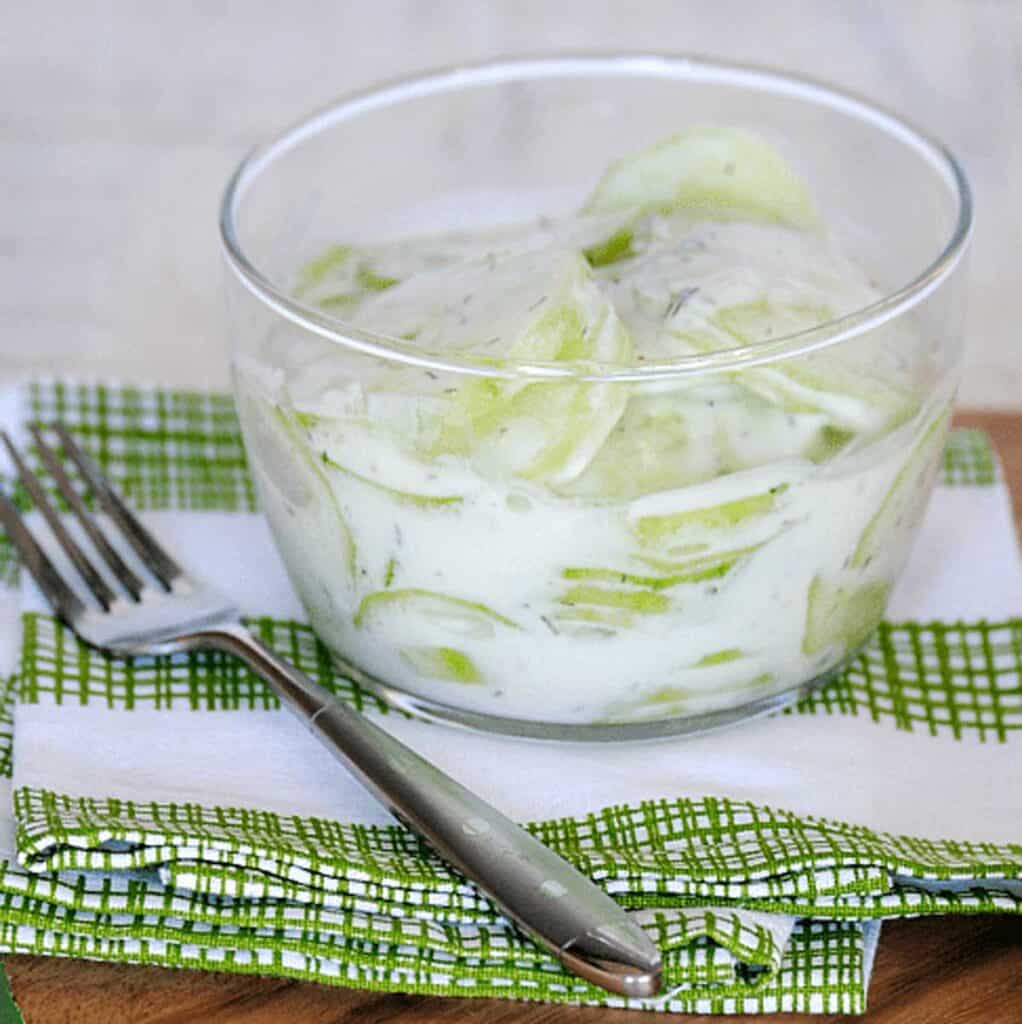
[(555, 904)]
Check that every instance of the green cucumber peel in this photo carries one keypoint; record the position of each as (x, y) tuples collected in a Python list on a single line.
[(349, 270), (339, 300), (409, 597), (831, 441), (372, 281), (613, 249), (293, 431), (405, 497), (818, 384), (669, 699), (719, 658), (696, 574), (612, 618), (642, 602), (655, 529), (319, 269), (906, 495), (842, 615), (705, 567), (709, 172), (445, 663)]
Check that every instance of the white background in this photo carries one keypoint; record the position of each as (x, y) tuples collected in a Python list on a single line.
[(120, 121)]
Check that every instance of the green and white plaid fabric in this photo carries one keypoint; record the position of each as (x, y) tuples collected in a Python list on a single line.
[(714, 880), (96, 900), (656, 854)]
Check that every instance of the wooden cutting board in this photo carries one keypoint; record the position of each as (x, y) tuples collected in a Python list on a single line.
[(941, 970)]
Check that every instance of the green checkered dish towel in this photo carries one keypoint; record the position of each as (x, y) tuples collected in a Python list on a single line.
[(169, 811)]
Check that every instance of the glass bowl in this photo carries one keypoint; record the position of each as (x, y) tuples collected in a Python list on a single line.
[(626, 600)]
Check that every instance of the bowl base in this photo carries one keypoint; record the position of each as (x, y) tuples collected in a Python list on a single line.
[(597, 732)]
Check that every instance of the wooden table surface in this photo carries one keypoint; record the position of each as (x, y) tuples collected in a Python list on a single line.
[(942, 970)]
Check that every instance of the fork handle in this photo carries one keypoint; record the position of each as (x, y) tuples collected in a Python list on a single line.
[(555, 904)]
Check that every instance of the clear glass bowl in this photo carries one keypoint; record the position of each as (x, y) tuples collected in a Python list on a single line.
[(486, 597)]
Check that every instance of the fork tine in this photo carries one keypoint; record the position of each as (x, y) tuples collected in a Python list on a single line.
[(99, 587), (163, 567), (128, 579), (61, 597)]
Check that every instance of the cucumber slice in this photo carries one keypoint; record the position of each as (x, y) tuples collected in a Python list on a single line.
[(444, 663), (842, 615), (606, 608), (430, 608), (613, 597), (641, 602), (670, 701), (751, 322), (660, 529), (287, 462), (830, 442), (341, 278), (424, 501), (752, 432), (650, 449), (344, 276), (711, 173), (613, 249), (544, 431), (663, 702), (668, 441), (905, 501), (854, 399), (330, 262), (602, 621), (699, 570), (719, 658), (588, 608), (371, 280), (696, 570)]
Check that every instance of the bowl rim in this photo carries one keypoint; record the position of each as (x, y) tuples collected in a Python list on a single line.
[(648, 64)]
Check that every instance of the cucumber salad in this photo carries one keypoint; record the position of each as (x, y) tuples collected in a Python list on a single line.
[(589, 546)]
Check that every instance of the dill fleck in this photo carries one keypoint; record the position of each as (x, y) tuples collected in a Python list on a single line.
[(678, 300)]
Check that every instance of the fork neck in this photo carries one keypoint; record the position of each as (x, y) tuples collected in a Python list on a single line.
[(294, 688)]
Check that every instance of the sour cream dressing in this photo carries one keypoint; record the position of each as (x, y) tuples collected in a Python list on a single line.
[(612, 553)]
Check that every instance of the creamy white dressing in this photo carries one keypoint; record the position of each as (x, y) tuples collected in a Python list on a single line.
[(508, 545), (580, 553)]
